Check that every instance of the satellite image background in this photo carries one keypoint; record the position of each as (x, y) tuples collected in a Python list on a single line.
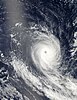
[(21, 23)]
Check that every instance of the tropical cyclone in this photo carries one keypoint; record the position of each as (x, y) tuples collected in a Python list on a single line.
[(45, 52)]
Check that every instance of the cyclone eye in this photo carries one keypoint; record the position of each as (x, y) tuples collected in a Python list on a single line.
[(45, 52)]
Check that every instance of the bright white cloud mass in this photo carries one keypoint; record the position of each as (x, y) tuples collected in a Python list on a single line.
[(46, 52)]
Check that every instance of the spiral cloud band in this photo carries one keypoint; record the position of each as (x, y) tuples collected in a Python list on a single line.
[(46, 56), (45, 52)]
